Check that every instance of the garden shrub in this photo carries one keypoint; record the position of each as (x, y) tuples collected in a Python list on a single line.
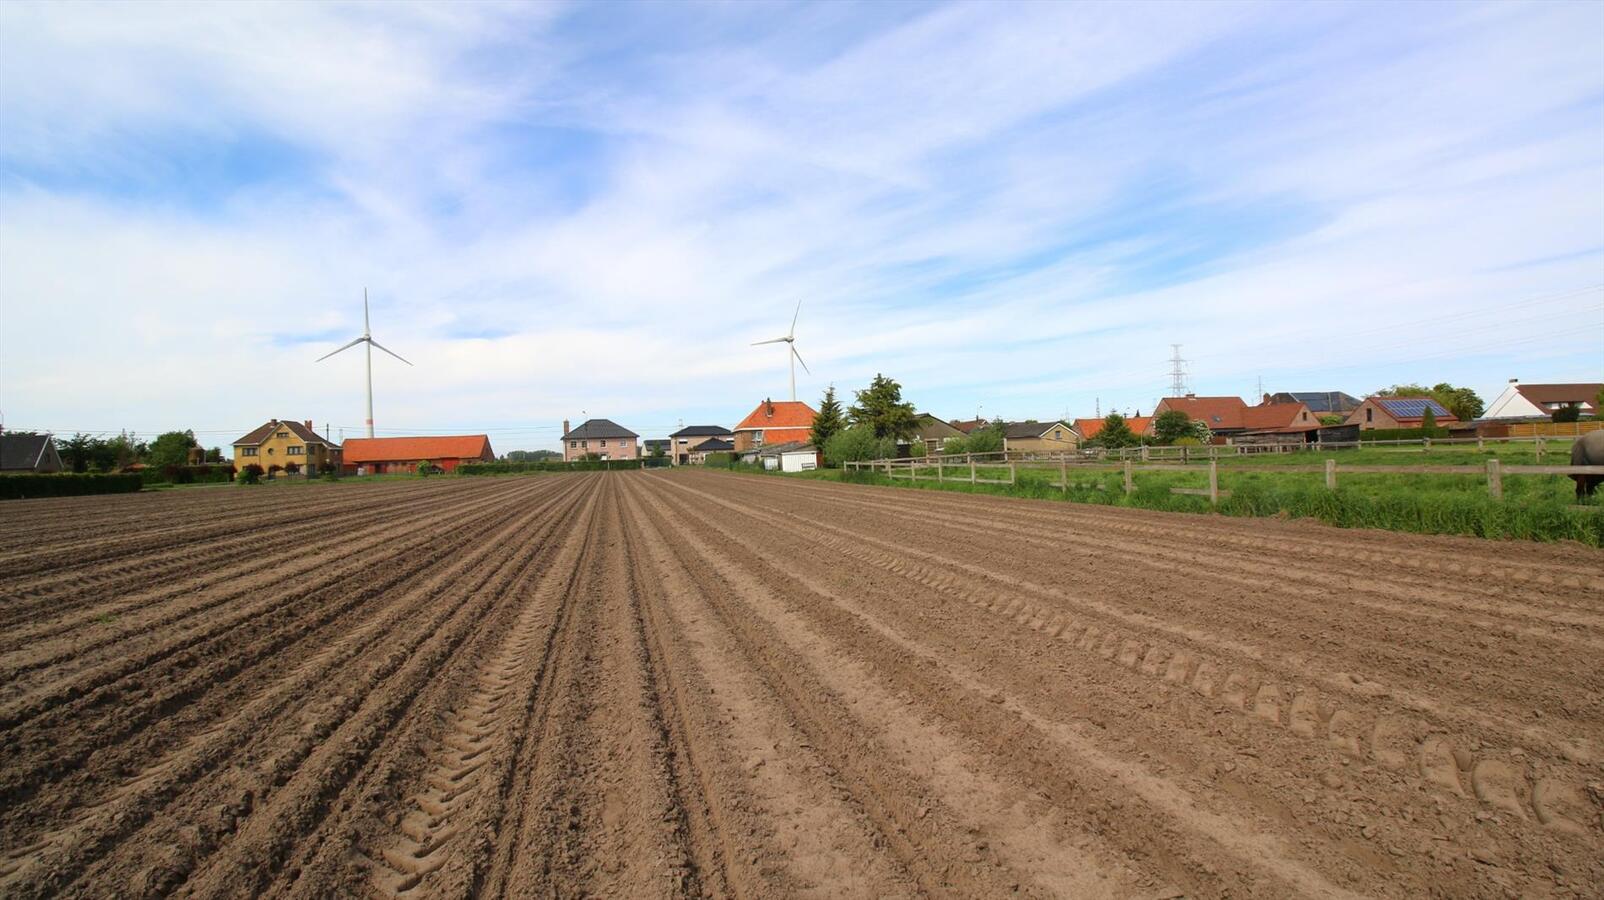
[(66, 484)]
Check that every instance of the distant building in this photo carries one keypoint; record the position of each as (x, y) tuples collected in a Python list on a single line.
[(968, 426), (934, 433), (1321, 403), (29, 453), (1040, 437), (774, 422), (684, 441), (698, 454), (380, 456), (1398, 412), (603, 437), (1540, 401), (277, 443)]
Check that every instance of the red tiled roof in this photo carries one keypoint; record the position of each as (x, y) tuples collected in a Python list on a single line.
[(778, 414), (1215, 412), (1089, 428), (1279, 417), (1544, 394), (412, 449), (967, 426)]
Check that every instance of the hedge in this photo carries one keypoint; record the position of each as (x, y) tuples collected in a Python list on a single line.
[(209, 473), (546, 465), (1401, 434), (66, 484)]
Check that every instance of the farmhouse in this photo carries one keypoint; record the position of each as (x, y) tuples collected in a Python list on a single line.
[(968, 426), (933, 433), (685, 441), (775, 423), (1540, 401), (378, 456), (1321, 403), (1040, 437), (1398, 412), (1223, 415), (603, 437), (286, 443), (698, 454), (29, 453), (1279, 423), (1089, 428)]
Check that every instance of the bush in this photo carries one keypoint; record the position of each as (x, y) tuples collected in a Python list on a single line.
[(857, 444), (1570, 412), (292, 467), (427, 468), (251, 474), (66, 484), (200, 474)]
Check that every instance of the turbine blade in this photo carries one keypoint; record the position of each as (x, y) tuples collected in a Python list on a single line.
[(387, 350), (367, 327), (775, 341), (800, 360), (792, 332), (346, 347)]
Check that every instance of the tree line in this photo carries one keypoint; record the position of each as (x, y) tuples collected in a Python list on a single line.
[(89, 453)]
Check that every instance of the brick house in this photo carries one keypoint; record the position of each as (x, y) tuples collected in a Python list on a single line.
[(775, 423), (1398, 412), (603, 437), (381, 456), (683, 443), (280, 444)]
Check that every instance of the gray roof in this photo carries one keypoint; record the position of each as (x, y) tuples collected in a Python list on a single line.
[(713, 445), (23, 452), (702, 431), (599, 428), (1032, 428), (1319, 401)]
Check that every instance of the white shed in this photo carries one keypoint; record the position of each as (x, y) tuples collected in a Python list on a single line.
[(802, 459)]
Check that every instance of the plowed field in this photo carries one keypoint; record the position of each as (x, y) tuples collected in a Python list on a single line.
[(691, 683)]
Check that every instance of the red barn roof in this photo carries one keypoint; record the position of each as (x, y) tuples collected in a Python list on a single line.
[(412, 449)]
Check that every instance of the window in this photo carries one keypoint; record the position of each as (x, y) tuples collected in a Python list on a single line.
[(1057, 435), (270, 451), (757, 437), (1370, 414), (584, 445), (573, 445), (248, 451), (604, 442), (282, 434), (296, 451)]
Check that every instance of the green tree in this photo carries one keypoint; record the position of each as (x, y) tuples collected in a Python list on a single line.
[(1115, 433), (987, 438), (78, 451), (829, 421), (1428, 419), (171, 448), (856, 444), (1171, 425), (1570, 412), (880, 407), (214, 455), (1598, 404)]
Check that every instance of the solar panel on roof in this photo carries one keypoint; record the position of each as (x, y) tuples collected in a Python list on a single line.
[(1413, 407)]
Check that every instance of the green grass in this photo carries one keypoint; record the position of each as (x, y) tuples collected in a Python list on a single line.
[(1539, 507)]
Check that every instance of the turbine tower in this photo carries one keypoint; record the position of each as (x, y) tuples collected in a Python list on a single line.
[(367, 338), (790, 341)]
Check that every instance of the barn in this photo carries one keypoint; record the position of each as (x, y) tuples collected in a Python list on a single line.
[(379, 456)]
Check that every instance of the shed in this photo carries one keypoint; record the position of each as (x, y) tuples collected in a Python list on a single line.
[(29, 453)]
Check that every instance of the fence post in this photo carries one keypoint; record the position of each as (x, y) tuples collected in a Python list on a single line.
[(1012, 477), (1144, 453), (1427, 440), (971, 468), (940, 475), (1063, 472), (1539, 449), (913, 469), (1331, 474), (1479, 446), (1129, 484), (1495, 480), (1214, 483)]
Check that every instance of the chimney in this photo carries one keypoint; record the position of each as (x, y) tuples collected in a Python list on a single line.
[(308, 424), (768, 408), (273, 422), (1514, 381), (566, 429), (1191, 396)]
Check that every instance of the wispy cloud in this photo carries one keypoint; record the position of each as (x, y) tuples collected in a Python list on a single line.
[(598, 207)]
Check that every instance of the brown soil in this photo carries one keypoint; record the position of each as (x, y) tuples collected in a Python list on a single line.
[(696, 684)]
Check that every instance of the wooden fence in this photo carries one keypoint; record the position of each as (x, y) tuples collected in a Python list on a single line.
[(968, 471)]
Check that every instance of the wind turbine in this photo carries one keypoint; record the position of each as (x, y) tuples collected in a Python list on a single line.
[(790, 341), (367, 338)]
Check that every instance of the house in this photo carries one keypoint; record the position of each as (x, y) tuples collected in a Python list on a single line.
[(698, 453), (1040, 437), (603, 437), (1321, 403), (1223, 415), (29, 453), (686, 439), (1227, 417), (282, 444), (1141, 426), (934, 433), (380, 456), (656, 446), (1279, 423), (1539, 401), (775, 423), (1398, 412)]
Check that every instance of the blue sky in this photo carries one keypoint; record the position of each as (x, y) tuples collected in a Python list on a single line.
[(564, 211)]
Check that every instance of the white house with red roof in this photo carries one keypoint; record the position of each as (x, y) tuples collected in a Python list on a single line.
[(1541, 401), (775, 422)]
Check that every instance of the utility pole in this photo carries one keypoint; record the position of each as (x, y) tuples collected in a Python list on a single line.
[(1177, 373), (1099, 406), (1260, 394)]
